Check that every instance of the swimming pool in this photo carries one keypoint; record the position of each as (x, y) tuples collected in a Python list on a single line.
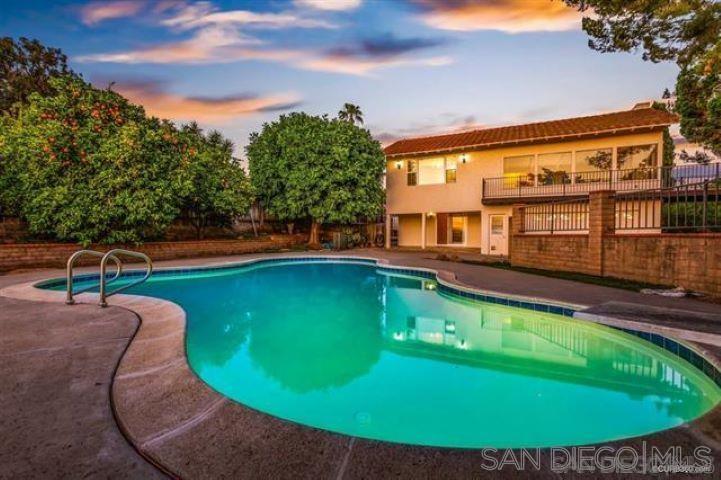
[(387, 354)]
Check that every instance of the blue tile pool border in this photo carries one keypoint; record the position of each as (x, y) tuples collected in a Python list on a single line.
[(684, 352), (472, 294)]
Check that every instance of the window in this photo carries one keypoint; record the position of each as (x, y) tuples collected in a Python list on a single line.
[(554, 168), (496, 225), (457, 227), (431, 171), (637, 162), (450, 171), (518, 171), (412, 175), (592, 165)]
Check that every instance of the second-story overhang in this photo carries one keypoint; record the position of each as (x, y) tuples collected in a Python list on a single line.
[(627, 122), (526, 142)]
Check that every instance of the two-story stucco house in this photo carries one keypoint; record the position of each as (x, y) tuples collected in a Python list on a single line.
[(458, 189)]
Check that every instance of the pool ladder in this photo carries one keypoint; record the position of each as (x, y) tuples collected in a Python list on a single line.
[(104, 281)]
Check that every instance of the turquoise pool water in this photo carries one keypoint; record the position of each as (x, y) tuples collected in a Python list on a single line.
[(353, 349)]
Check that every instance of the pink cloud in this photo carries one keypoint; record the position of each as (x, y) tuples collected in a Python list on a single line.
[(332, 5), (366, 66), (96, 12), (163, 104), (186, 16), (225, 44), (450, 123), (211, 44), (511, 16)]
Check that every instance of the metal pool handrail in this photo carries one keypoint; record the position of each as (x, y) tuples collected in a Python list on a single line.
[(69, 272), (103, 267)]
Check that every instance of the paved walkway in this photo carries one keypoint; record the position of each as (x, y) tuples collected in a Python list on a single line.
[(509, 281), (56, 366)]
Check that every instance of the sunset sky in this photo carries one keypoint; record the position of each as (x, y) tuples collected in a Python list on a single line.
[(415, 67)]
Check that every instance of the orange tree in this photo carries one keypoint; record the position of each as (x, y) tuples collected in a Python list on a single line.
[(87, 166), (310, 167), (220, 188)]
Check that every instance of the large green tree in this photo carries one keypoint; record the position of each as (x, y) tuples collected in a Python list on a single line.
[(310, 167), (699, 100), (220, 189), (88, 166), (26, 67), (685, 31)]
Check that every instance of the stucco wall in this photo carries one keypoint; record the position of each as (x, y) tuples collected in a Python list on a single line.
[(431, 231), (465, 194), (474, 231), (409, 230)]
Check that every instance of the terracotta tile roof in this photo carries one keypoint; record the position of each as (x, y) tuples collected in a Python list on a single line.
[(570, 128)]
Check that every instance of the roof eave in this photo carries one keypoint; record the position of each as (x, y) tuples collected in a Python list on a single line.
[(531, 141)]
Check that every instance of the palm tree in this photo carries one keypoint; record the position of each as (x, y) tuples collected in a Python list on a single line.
[(351, 113), (193, 128)]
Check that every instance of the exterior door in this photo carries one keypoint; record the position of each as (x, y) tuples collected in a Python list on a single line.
[(441, 228), (498, 235)]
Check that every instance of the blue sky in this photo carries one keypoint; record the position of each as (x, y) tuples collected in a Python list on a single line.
[(415, 67)]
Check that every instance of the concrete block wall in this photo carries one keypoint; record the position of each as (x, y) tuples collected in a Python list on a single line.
[(551, 252), (692, 261)]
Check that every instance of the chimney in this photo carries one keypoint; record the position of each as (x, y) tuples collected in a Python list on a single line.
[(642, 105)]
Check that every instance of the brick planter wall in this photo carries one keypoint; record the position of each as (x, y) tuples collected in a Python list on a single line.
[(37, 255)]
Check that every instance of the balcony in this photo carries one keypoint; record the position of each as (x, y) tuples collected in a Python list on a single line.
[(560, 184)]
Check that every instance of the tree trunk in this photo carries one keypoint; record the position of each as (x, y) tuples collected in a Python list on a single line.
[(196, 220), (252, 222), (314, 239), (290, 226)]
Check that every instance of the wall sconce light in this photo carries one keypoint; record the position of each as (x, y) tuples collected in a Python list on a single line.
[(399, 165), (464, 158)]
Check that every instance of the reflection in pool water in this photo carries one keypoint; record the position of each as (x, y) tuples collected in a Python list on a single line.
[(355, 350)]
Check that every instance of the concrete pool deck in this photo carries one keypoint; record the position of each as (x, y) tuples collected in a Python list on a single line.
[(56, 367), (175, 420)]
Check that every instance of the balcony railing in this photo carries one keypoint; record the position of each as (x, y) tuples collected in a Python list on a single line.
[(689, 207), (566, 184), (570, 215)]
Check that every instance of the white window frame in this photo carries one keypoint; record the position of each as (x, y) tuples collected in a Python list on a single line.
[(419, 181), (450, 231)]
